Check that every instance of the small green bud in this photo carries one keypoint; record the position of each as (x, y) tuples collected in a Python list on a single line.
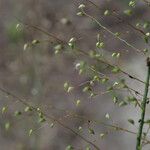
[(107, 116), (92, 95), (65, 21), (87, 88), (100, 44), (35, 42), (122, 103), (30, 132), (128, 12), (4, 109), (117, 34), (7, 126), (146, 38), (66, 85), (146, 25), (80, 14), (138, 24), (132, 3), (117, 55), (70, 89), (104, 80), (78, 102), (145, 50), (80, 128), (71, 42), (96, 78), (131, 99), (106, 12), (69, 147), (102, 135), (25, 46), (110, 88), (81, 6), (17, 26), (52, 125), (115, 70), (88, 148), (17, 113), (28, 109), (41, 120), (115, 100), (39, 110), (91, 131), (147, 34), (58, 47)]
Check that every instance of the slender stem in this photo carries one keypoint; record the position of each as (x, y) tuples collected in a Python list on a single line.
[(143, 105)]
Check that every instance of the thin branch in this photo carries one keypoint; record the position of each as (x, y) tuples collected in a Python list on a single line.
[(84, 118), (115, 14), (40, 29), (113, 34), (111, 65), (23, 101), (81, 51), (129, 24), (126, 86), (116, 127)]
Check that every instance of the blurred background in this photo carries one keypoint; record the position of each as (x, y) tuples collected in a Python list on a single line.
[(38, 75)]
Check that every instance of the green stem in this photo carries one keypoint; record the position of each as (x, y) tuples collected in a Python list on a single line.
[(143, 106)]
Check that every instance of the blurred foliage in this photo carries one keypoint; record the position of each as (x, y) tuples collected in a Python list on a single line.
[(13, 33)]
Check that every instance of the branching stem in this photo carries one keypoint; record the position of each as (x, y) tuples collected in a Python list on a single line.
[(143, 105)]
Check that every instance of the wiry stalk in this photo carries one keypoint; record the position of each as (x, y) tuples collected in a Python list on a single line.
[(143, 105)]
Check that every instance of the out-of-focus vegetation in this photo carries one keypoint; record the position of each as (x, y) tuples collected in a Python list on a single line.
[(72, 74)]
